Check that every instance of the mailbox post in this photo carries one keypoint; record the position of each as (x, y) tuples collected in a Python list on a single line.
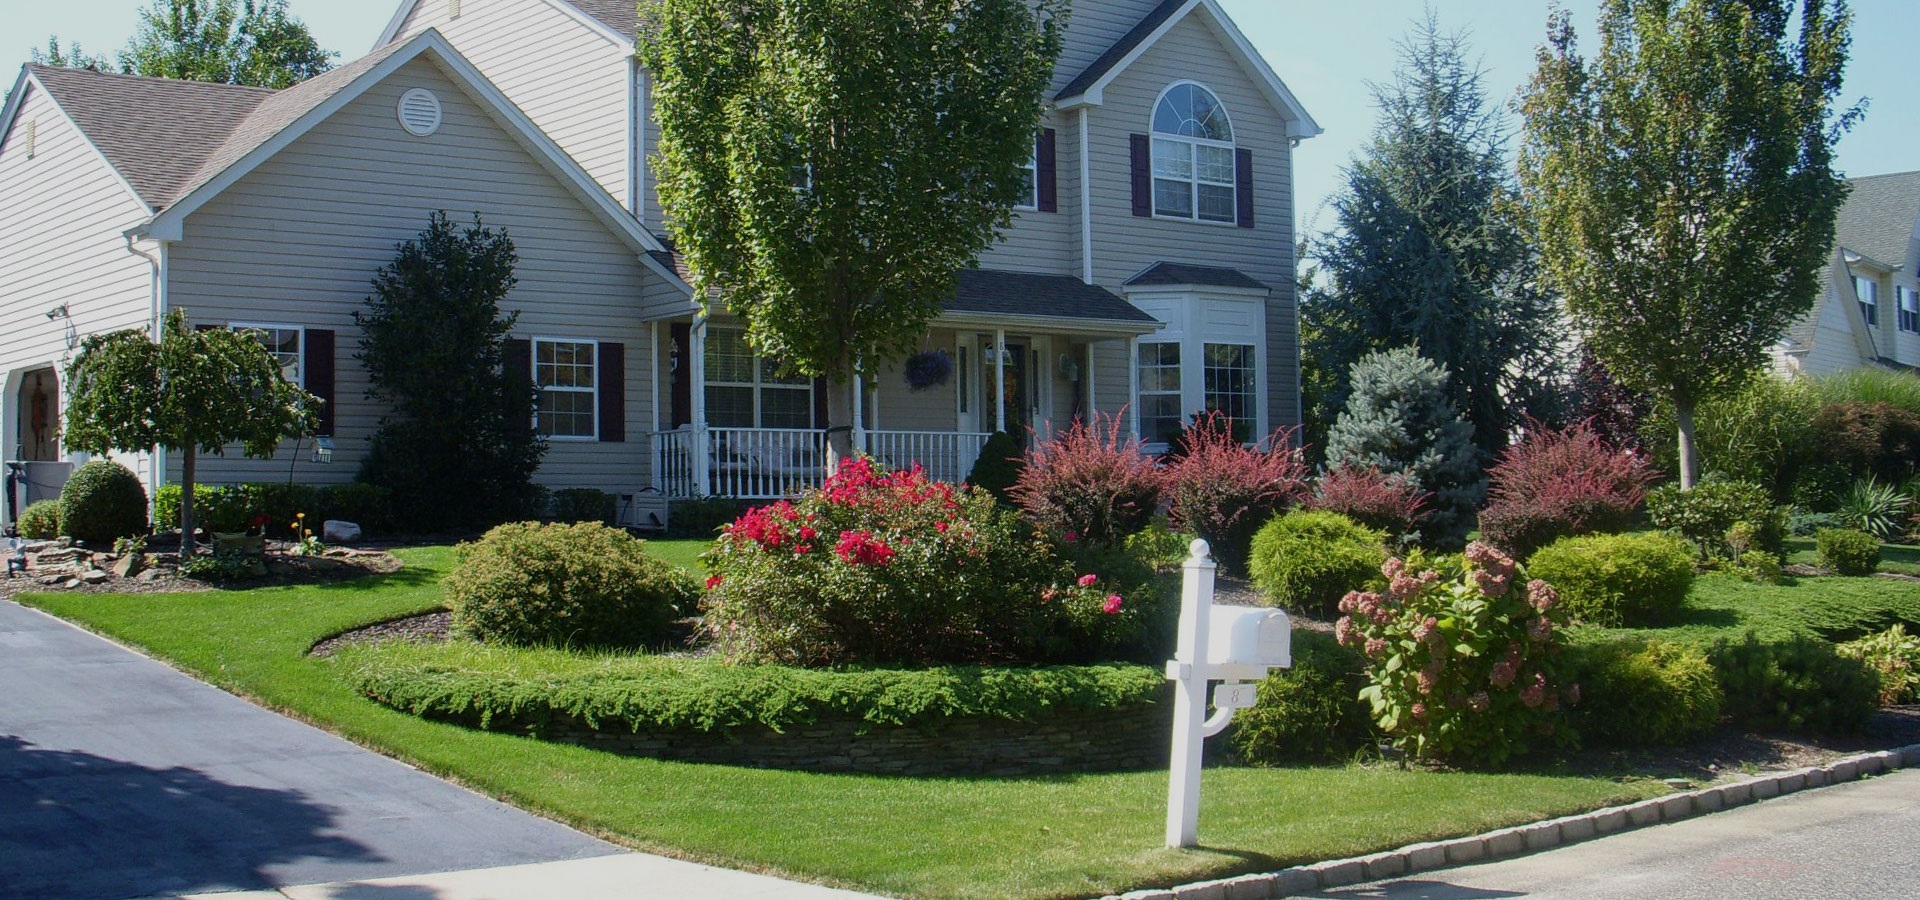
[(1231, 644)]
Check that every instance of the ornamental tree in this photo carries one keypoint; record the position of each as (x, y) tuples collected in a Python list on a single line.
[(191, 392), (831, 165), (254, 43), (1682, 185)]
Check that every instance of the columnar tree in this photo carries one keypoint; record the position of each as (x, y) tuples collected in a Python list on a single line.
[(191, 392), (830, 165), (1431, 251), (1399, 421), (1682, 185), (254, 43)]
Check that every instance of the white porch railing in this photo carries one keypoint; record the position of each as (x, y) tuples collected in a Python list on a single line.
[(770, 463)]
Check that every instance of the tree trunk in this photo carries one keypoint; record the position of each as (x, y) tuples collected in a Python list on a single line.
[(840, 402), (186, 503), (1689, 453)]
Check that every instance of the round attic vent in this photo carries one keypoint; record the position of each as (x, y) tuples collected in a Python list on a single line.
[(420, 112)]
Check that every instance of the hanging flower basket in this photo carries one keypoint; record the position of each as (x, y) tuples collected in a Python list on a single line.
[(929, 369)]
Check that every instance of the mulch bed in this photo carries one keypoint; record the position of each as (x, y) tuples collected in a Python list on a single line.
[(162, 576)]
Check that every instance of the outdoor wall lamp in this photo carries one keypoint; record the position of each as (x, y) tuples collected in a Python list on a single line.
[(58, 312)]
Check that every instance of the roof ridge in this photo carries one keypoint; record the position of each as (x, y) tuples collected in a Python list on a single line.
[(179, 82), (1908, 174)]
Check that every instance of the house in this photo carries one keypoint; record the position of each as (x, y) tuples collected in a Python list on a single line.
[(1151, 269), (1868, 313)]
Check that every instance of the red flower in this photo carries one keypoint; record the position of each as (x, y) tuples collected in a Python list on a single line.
[(1112, 606), (713, 581), (861, 548), (940, 527), (1088, 579)]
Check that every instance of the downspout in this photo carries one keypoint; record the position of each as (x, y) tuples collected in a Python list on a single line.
[(157, 303), (636, 139), (1086, 203)]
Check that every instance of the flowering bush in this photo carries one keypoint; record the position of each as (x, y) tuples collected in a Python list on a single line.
[(1090, 484), (1560, 483), (1389, 503), (893, 568), (1224, 491), (1461, 658)]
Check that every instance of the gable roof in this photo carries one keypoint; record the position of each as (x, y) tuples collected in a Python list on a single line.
[(1878, 218), (1171, 274), (1086, 89), (615, 20)]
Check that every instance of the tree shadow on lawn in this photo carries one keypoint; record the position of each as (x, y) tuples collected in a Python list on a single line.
[(77, 825)]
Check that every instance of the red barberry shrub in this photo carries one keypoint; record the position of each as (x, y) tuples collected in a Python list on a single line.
[(1389, 503), (1224, 491), (1090, 483), (1559, 483)]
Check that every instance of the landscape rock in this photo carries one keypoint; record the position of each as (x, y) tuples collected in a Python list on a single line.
[(95, 576), (338, 531), (129, 565)]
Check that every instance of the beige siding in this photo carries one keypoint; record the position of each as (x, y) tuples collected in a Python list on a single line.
[(298, 241), (903, 409), (569, 79), (1094, 26), (1044, 241)]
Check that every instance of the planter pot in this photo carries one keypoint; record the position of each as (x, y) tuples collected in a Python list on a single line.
[(249, 544)]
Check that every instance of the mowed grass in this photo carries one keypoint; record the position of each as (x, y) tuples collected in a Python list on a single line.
[(918, 837), (1899, 559)]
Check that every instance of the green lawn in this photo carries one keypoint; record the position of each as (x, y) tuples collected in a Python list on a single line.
[(682, 553), (1026, 837), (1900, 559), (1837, 609)]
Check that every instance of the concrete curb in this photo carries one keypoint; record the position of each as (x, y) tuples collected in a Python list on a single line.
[(1523, 839)]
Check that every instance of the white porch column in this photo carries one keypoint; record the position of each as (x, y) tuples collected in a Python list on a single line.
[(1000, 379), (1093, 397), (859, 413), (697, 373), (1133, 386)]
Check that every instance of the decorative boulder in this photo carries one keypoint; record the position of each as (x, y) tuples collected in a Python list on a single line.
[(336, 531)]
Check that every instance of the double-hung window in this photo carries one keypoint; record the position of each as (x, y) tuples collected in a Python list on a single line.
[(745, 390), (1030, 181), (286, 344), (1868, 291), (565, 371), (1160, 412), (1193, 157), (1909, 309), (1231, 388)]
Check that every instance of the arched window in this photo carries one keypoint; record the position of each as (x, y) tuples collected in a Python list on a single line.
[(1193, 159)]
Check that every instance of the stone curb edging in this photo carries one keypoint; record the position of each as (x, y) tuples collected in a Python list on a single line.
[(1534, 837)]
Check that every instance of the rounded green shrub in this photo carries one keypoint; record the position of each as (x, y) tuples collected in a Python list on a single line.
[(1617, 579), (1644, 693), (1796, 685), (1705, 515), (1847, 551), (583, 585), (1308, 560), (103, 501), (1311, 713), (998, 468), (40, 520)]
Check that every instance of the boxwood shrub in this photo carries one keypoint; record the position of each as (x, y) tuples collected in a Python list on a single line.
[(40, 520), (1705, 515), (583, 585), (102, 501), (1617, 579), (1311, 713), (1644, 693), (1307, 560), (1848, 551), (1795, 685)]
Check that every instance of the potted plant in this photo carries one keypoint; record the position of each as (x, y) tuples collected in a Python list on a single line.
[(252, 542)]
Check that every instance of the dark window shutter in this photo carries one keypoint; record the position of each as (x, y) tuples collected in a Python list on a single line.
[(516, 365), (1142, 152), (682, 398), (1046, 171), (1243, 186), (613, 392), (819, 403), (318, 366)]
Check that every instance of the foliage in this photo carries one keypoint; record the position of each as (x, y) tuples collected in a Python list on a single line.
[(40, 521), (1310, 713), (1559, 483), (1398, 420), (102, 501), (233, 508), (928, 369), (225, 42), (1757, 566), (458, 449), (1430, 250), (219, 566), (304, 541), (1224, 491), (1762, 431), (1682, 186), (193, 392), (1461, 661), (1618, 579), (1307, 560), (69, 57), (1894, 656), (573, 505), (130, 546), (369, 506), (1158, 546), (586, 585), (1877, 509), (997, 470), (1089, 483), (788, 130), (1870, 385), (1795, 685), (1848, 552), (1639, 693), (702, 517), (1708, 513), (881, 567), (1806, 524), (1869, 440), (1389, 503), (1614, 412)]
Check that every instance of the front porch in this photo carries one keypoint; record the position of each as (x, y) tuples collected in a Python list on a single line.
[(770, 463)]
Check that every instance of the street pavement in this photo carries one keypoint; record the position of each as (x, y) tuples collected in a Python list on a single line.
[(1851, 841), (123, 778)]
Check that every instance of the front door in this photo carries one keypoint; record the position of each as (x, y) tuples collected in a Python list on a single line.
[(1012, 381)]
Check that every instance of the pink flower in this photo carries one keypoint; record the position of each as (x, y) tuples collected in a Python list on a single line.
[(1426, 629), (713, 581), (1479, 702), (1375, 647), (1541, 595), (1536, 693), (1050, 594), (1088, 579), (1112, 606), (1073, 536), (1426, 681), (1503, 674), (1419, 711), (1343, 630), (1393, 568), (1539, 630)]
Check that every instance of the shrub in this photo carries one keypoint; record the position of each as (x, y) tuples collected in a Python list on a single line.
[(222, 566), (1707, 513), (703, 517), (998, 468), (1893, 656), (1808, 524), (1617, 579), (1461, 661), (1795, 685), (1389, 503), (1224, 491), (280, 504), (1871, 384), (891, 568), (1757, 566), (369, 506), (1877, 509), (1398, 419), (1870, 440), (103, 500), (574, 505), (1090, 484), (40, 521), (1644, 693), (1310, 713), (1847, 551), (581, 585), (1560, 483), (1762, 433), (1307, 560), (1820, 486)]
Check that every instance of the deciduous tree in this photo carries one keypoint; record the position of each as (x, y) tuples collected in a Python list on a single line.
[(256, 43)]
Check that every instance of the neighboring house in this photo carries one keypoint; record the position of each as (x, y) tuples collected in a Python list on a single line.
[(1868, 313)]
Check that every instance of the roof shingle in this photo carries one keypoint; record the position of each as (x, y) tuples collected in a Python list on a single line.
[(1878, 218), (1105, 62), (996, 292), (1167, 273)]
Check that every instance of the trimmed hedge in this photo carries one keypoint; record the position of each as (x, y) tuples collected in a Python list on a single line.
[(221, 507), (1618, 579), (1307, 560), (1847, 551), (469, 681), (1637, 693), (103, 501), (1799, 685)]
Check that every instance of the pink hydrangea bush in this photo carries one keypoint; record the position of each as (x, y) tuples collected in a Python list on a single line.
[(1462, 658), (894, 568)]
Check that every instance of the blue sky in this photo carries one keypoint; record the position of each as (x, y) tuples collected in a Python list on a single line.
[(1327, 52)]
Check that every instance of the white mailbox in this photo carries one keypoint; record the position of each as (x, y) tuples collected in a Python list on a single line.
[(1245, 642)]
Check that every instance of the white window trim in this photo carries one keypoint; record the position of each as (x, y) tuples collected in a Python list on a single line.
[(1148, 439), (301, 382), (1032, 168), (534, 360), (1233, 146), (1907, 300), (1868, 298), (757, 385), (1254, 399)]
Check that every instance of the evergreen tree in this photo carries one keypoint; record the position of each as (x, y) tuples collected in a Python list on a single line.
[(1430, 251), (257, 43), (458, 450), (1398, 419)]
